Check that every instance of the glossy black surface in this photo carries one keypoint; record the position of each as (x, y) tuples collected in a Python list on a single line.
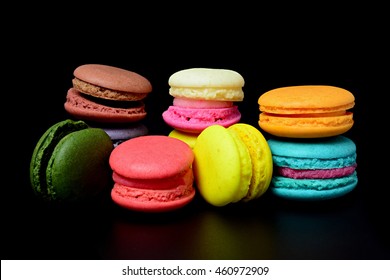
[(351, 227)]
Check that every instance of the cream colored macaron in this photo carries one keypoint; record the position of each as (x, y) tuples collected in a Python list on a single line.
[(207, 84)]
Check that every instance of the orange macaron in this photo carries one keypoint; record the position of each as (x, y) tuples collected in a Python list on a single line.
[(306, 111)]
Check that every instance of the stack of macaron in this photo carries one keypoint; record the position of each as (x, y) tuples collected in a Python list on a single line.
[(202, 97), (313, 159), (110, 98)]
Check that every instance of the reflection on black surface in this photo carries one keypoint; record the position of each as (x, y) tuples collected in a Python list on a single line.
[(319, 236), (266, 229), (336, 229), (222, 237), (351, 227), (210, 234)]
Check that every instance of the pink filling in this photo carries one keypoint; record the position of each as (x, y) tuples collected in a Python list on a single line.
[(200, 104), (160, 184), (195, 120), (316, 173)]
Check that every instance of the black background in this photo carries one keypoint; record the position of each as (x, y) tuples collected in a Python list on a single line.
[(306, 49)]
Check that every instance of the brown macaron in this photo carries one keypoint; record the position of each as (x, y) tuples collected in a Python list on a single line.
[(107, 94)]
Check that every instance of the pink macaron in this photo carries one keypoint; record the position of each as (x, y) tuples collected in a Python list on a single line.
[(203, 97), (152, 173)]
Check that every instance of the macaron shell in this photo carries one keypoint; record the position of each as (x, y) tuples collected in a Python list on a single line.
[(189, 138), (113, 78), (325, 148), (246, 166), (87, 109), (79, 167), (217, 166), (151, 207), (314, 127), (261, 159), (151, 157), (207, 84), (119, 196), (306, 189), (306, 99), (153, 197)]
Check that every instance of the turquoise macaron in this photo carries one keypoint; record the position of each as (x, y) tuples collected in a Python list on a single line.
[(70, 162), (313, 169)]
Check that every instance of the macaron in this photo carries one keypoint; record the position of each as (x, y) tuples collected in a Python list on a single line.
[(306, 111), (313, 169), (152, 173), (70, 162), (203, 97), (107, 94), (187, 137), (122, 132), (232, 164)]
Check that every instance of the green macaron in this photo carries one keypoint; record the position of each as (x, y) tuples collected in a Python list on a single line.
[(70, 162)]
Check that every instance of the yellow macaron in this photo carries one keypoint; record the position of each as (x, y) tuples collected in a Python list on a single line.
[(187, 137), (232, 164)]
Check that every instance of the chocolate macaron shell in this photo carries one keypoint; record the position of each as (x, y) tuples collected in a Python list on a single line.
[(78, 167), (124, 84)]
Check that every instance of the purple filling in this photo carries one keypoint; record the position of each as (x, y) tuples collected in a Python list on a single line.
[(315, 173)]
